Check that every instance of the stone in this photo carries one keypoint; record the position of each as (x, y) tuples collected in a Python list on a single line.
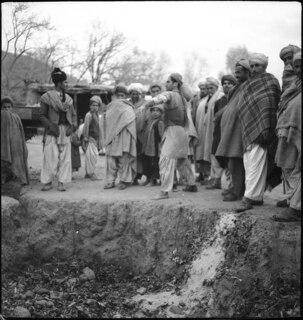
[(83, 277), (90, 274), (176, 310), (49, 304), (71, 282), (141, 290), (20, 312), (41, 302), (56, 294), (91, 301), (42, 291), (29, 294)]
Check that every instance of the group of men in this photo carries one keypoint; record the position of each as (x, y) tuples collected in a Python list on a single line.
[(251, 132)]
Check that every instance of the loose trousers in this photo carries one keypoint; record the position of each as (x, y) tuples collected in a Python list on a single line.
[(167, 170), (122, 166), (292, 182), (255, 164), (56, 161), (91, 158)]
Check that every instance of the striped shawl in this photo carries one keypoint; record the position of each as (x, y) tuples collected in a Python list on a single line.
[(258, 107)]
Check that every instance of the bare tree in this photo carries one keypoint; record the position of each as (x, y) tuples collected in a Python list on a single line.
[(233, 55), (103, 47), (195, 68), (24, 26)]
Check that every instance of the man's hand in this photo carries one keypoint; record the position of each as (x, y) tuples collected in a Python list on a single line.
[(149, 104)]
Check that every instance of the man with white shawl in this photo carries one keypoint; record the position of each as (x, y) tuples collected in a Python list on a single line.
[(119, 126), (92, 137), (205, 127), (135, 91), (174, 144), (59, 118)]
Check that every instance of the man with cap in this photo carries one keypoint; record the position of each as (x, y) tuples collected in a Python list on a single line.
[(257, 115), (230, 152), (14, 151), (92, 137), (205, 128), (174, 145), (135, 90), (194, 102), (288, 155), (228, 82), (119, 134), (59, 118), (286, 55), (153, 135)]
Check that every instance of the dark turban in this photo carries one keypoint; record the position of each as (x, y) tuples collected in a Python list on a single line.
[(58, 75), (120, 88), (177, 78), (244, 63), (7, 99), (289, 49), (229, 78)]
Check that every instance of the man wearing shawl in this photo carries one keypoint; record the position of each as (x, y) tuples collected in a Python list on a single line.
[(228, 82), (14, 151), (92, 137), (230, 151), (59, 118), (257, 114), (135, 90), (205, 126), (194, 102), (119, 125), (174, 145), (288, 156), (286, 55)]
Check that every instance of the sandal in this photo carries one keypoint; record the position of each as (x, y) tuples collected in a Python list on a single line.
[(122, 186), (109, 186), (46, 187)]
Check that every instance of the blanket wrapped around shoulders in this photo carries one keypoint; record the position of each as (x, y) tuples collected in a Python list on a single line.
[(119, 115), (258, 107), (13, 145), (289, 126)]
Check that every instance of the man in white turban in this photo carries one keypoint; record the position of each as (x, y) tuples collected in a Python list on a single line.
[(205, 127)]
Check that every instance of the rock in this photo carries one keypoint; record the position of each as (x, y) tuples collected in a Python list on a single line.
[(83, 278), (41, 303), (176, 310), (42, 291), (49, 304), (90, 274), (71, 282), (29, 294), (56, 294), (20, 312), (129, 304), (141, 290), (91, 301), (182, 304)]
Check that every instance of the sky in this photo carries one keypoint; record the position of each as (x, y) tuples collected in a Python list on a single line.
[(208, 28)]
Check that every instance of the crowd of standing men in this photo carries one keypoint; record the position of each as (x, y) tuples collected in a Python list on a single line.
[(250, 132)]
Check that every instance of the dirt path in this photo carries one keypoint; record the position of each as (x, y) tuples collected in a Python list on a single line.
[(81, 188)]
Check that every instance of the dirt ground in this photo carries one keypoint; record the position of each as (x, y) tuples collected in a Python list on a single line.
[(81, 188)]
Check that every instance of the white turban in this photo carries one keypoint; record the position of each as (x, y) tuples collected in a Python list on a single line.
[(95, 99), (260, 57), (136, 87), (212, 81)]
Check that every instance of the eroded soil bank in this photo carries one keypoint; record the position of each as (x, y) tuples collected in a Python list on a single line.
[(206, 263)]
